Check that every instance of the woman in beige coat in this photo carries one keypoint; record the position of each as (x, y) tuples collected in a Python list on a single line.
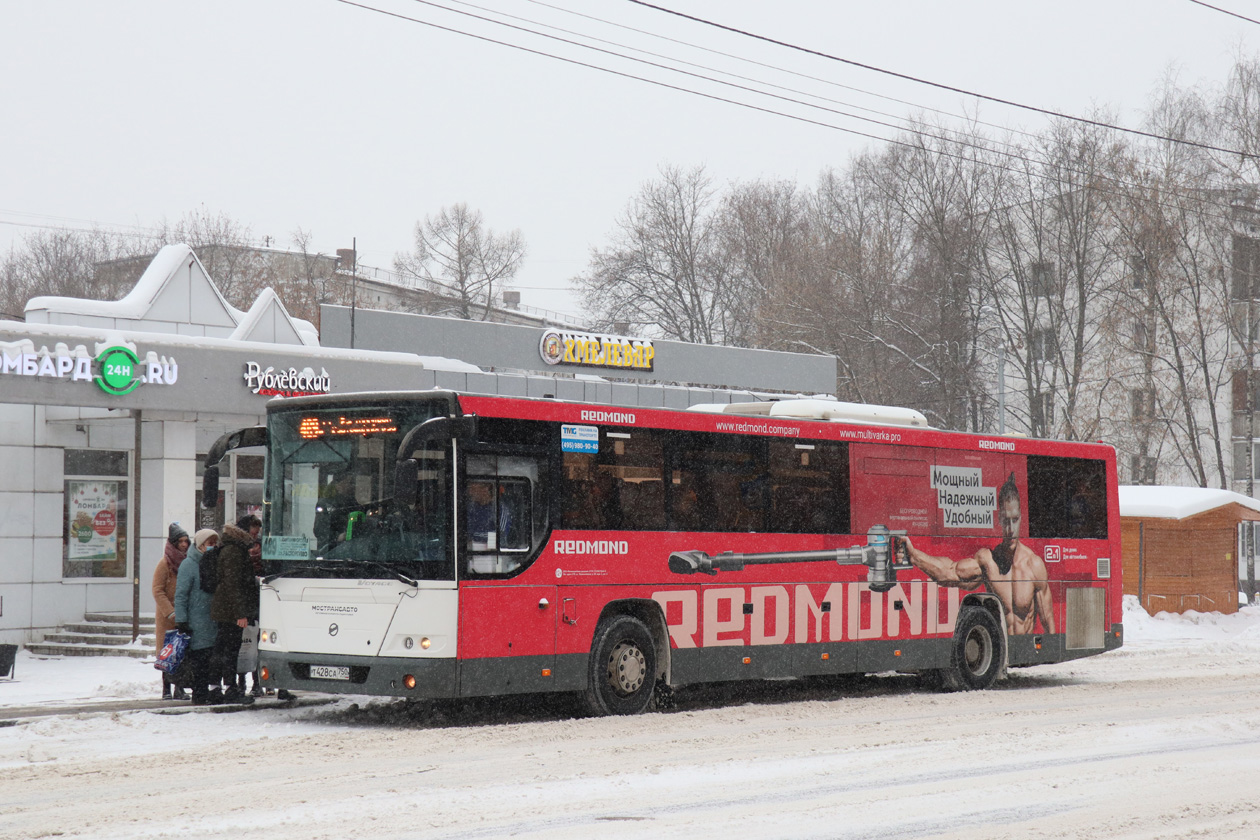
[(164, 577)]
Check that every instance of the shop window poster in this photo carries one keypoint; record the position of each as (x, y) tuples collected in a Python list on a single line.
[(93, 513)]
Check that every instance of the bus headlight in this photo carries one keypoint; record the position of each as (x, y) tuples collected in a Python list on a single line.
[(269, 636), (426, 643), (409, 681)]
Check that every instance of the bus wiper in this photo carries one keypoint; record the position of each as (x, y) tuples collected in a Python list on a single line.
[(310, 567), (385, 567), (332, 564)]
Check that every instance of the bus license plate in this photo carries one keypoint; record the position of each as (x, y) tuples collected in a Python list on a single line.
[(330, 672)]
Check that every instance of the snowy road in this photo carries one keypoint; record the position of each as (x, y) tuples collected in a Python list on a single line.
[(1158, 740)]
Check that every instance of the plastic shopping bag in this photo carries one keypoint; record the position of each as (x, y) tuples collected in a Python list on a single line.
[(174, 648), (247, 660)]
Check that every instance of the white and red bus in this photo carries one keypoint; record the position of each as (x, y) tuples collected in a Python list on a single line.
[(441, 545)]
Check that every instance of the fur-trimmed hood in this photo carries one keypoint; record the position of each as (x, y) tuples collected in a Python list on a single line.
[(235, 535)]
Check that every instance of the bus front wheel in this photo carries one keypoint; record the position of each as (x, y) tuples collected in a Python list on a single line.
[(976, 652), (622, 669)]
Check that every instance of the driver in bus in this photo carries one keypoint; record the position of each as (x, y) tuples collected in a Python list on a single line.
[(481, 521), (1010, 570), (336, 498)]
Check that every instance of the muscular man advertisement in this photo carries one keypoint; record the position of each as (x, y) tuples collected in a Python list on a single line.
[(1010, 570)]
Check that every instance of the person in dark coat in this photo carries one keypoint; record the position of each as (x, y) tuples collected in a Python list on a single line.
[(253, 526), (192, 616), (234, 605)]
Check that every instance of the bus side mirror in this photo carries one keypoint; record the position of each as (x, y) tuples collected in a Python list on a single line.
[(210, 488), (406, 481), (251, 436)]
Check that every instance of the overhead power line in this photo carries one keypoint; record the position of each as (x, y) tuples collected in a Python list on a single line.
[(898, 126), (1011, 150), (1224, 11), (777, 69), (942, 86), (950, 137), (72, 229)]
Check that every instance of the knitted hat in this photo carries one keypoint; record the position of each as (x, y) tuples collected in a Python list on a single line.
[(174, 533), (199, 538)]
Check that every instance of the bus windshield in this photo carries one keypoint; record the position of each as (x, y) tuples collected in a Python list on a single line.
[(330, 495)]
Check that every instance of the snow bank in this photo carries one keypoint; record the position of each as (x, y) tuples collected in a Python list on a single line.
[(67, 680), (1165, 629)]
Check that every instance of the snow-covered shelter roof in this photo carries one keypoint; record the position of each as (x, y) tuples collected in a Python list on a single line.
[(269, 321), (1177, 502), (176, 295)]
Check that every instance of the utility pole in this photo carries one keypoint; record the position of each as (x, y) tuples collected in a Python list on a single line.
[(1250, 541), (354, 283)]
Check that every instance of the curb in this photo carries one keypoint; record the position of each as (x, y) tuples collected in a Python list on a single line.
[(22, 714)]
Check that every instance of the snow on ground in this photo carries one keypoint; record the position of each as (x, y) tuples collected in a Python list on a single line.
[(70, 682), (73, 680), (1157, 740)]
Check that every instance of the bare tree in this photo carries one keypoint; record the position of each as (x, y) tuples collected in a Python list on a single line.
[(228, 250), (64, 263), (848, 285), (941, 181), (666, 271), (462, 261), (1051, 266), (766, 232), (312, 280)]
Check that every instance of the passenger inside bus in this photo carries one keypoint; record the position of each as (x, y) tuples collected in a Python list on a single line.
[(686, 503)]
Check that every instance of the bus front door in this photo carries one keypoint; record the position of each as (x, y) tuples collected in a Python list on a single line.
[(507, 639)]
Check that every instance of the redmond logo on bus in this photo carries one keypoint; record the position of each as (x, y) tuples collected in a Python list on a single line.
[(620, 417), (590, 547)]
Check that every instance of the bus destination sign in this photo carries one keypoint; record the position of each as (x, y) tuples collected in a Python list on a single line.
[(310, 428)]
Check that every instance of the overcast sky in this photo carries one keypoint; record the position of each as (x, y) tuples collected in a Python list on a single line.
[(351, 123)]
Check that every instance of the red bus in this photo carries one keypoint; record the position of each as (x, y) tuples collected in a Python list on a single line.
[(441, 545)]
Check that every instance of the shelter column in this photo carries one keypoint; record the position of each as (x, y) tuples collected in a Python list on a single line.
[(168, 480)]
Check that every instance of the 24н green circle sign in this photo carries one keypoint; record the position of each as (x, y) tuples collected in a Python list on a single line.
[(118, 371)]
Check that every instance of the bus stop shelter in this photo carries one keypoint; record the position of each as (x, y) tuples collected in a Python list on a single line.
[(1186, 548)]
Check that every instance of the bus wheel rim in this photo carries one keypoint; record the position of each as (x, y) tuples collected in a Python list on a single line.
[(627, 668), (977, 651)]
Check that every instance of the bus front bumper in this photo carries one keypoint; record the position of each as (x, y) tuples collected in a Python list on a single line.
[(385, 676)]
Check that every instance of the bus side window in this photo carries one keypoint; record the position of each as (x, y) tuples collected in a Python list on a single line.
[(1067, 498), (504, 513), (717, 482), (621, 487), (809, 487)]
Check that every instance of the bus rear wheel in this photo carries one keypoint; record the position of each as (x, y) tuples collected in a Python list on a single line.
[(976, 652), (622, 670)]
